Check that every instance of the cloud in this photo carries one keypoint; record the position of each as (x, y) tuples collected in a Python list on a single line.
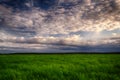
[(62, 18)]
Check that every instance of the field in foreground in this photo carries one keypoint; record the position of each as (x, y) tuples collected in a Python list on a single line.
[(60, 67)]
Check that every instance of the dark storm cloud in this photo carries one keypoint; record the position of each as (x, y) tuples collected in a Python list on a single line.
[(99, 7), (100, 48), (1, 40), (20, 31)]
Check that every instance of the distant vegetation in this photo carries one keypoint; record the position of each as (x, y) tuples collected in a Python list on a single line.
[(60, 67)]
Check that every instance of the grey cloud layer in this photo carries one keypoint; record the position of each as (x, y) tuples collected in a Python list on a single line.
[(36, 26)]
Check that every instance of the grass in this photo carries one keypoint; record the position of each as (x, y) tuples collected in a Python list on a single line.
[(60, 67)]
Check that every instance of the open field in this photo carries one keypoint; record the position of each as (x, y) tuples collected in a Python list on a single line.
[(60, 67)]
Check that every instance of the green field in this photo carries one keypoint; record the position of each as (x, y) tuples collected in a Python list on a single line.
[(60, 67)]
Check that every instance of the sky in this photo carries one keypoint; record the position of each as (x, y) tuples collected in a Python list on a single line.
[(59, 26)]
